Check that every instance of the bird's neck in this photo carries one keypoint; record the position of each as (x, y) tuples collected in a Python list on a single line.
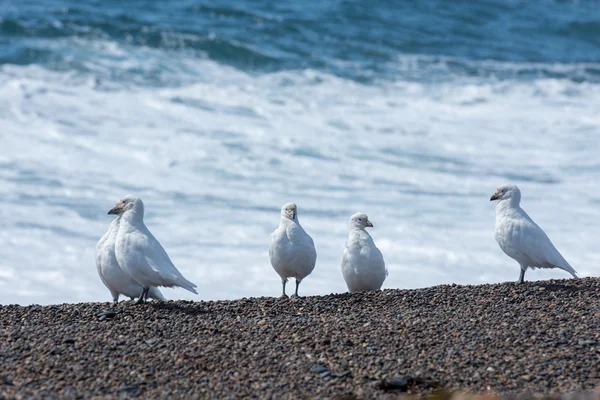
[(115, 222), (507, 205), (133, 216), (284, 221), (358, 236)]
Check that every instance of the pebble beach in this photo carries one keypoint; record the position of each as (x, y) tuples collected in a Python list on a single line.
[(540, 338)]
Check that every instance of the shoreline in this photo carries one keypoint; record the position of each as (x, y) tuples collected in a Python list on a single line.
[(540, 337)]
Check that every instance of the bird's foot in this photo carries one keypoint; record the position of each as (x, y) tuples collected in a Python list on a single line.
[(294, 296), (284, 296), (140, 300)]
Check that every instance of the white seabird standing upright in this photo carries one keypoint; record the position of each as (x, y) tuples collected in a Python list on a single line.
[(139, 254), (111, 274), (362, 263), (521, 238), (292, 252)]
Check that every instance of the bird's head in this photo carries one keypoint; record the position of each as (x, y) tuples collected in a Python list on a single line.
[(127, 203), (506, 192), (360, 221), (289, 211)]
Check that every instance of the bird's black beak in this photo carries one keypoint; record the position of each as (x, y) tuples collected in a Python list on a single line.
[(115, 210), (496, 196), (369, 224)]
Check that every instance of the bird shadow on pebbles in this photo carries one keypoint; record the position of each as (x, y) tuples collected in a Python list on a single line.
[(129, 307), (557, 287), (191, 307), (563, 286)]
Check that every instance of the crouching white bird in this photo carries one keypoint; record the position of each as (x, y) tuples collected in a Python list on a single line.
[(362, 263), (139, 254), (111, 274), (520, 238), (292, 252)]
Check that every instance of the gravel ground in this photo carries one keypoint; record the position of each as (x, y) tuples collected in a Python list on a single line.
[(540, 337)]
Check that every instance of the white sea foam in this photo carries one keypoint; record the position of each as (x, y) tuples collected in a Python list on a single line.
[(211, 153)]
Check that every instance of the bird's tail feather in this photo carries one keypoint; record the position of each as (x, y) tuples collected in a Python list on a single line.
[(569, 269), (574, 273), (187, 285)]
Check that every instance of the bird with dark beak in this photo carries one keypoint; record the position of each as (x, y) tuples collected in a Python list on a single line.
[(363, 267), (139, 254), (119, 208), (521, 238), (292, 252), (495, 196)]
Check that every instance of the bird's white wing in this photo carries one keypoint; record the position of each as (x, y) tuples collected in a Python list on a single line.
[(147, 257), (99, 267), (377, 257), (541, 250), (353, 253), (303, 254), (106, 263), (154, 255), (158, 259), (277, 250), (101, 248), (346, 258), (103, 254), (275, 242), (538, 247), (100, 252), (165, 268), (161, 263)]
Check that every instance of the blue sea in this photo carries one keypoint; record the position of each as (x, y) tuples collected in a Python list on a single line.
[(216, 113)]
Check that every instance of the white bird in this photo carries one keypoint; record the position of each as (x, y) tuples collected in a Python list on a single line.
[(292, 252), (362, 263), (139, 254), (521, 238), (111, 274)]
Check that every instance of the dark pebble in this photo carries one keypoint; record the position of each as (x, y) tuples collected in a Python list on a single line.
[(319, 369), (401, 384), (107, 314)]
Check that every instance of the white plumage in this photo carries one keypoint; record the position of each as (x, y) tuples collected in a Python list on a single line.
[(292, 252), (521, 238), (111, 274), (139, 254), (362, 263)]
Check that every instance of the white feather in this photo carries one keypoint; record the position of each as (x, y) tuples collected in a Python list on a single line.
[(363, 267), (521, 238), (111, 274), (141, 256), (292, 252)]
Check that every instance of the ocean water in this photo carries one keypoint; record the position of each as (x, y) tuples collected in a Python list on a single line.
[(217, 113)]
